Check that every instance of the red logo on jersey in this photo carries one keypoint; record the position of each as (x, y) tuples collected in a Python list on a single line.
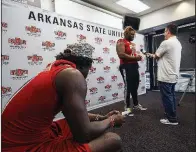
[(120, 85), (33, 31), (102, 99), (100, 80), (5, 59), (112, 42), (108, 87), (81, 38), (106, 69), (93, 90), (98, 40), (112, 60), (106, 50), (60, 35), (115, 96), (5, 90), (48, 46), (19, 74), (99, 60), (114, 78), (17, 43), (92, 70), (35, 59)]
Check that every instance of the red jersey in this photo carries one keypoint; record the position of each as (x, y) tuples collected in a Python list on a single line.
[(27, 118), (128, 50)]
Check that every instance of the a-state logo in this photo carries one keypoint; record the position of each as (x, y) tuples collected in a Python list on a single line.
[(120, 85), (99, 60), (92, 70), (112, 60), (93, 90), (112, 42), (142, 74), (143, 88), (100, 80), (102, 99), (106, 69), (35, 60), (106, 50), (87, 103), (115, 96), (98, 40), (108, 88), (60, 35), (114, 78), (81, 38), (48, 46), (17, 43), (6, 91), (4, 26), (19, 74), (33, 31), (5, 59)]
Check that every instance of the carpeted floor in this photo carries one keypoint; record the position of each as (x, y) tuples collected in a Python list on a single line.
[(144, 132)]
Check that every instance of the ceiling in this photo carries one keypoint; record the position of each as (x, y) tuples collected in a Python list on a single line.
[(111, 5)]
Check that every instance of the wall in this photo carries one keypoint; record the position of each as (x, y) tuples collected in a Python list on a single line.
[(80, 11), (171, 13), (72, 9)]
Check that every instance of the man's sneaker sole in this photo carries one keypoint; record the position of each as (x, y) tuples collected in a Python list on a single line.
[(169, 123)]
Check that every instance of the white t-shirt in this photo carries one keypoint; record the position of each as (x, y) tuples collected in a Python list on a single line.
[(169, 54)]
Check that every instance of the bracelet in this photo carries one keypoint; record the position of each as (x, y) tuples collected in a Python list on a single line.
[(112, 123), (97, 118)]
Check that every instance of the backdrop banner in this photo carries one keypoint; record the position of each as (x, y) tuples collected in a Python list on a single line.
[(31, 38)]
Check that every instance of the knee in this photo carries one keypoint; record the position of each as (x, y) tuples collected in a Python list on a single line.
[(114, 139)]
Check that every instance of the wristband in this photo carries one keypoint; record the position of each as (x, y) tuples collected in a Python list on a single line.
[(112, 123)]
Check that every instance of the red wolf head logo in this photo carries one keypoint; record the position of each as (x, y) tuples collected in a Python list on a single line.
[(120, 85), (112, 60), (102, 98), (18, 72), (5, 90), (4, 57), (106, 50), (92, 70), (48, 44), (108, 87), (98, 40), (16, 41), (114, 78), (33, 29), (4, 24), (35, 58), (93, 90), (60, 33)]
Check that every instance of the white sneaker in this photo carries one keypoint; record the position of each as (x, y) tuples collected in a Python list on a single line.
[(167, 122), (129, 110), (139, 107)]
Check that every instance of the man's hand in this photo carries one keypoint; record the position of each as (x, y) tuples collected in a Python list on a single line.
[(114, 112), (138, 58), (118, 120)]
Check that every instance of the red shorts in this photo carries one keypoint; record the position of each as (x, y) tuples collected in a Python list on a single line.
[(62, 140)]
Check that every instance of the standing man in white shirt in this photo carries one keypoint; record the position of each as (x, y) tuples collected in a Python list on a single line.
[(169, 58)]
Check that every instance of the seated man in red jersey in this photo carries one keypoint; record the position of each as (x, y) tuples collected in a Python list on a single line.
[(27, 120)]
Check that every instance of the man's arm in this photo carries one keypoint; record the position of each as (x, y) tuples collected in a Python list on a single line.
[(120, 49), (96, 117), (72, 89), (160, 51)]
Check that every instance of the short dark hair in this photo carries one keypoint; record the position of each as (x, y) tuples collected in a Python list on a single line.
[(79, 61), (173, 29)]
